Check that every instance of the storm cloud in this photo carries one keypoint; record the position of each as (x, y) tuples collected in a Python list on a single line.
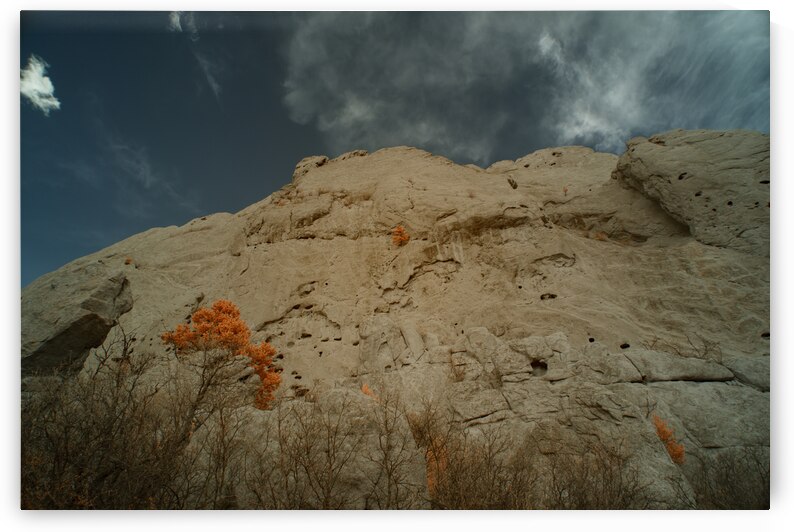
[(485, 86)]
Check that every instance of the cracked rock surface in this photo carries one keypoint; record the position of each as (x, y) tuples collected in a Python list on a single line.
[(570, 293)]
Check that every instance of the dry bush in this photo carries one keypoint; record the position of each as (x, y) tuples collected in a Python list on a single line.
[(129, 434), (395, 458), (467, 470), (304, 458), (699, 347), (733, 479), (600, 478), (96, 440)]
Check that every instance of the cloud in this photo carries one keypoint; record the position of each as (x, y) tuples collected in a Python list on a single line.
[(176, 20), (37, 87), (140, 189), (211, 71), (483, 86)]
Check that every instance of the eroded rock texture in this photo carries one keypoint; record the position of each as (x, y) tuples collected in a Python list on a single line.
[(539, 295)]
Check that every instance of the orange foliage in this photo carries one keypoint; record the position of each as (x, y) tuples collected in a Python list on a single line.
[(399, 236), (665, 433), (220, 327), (366, 390)]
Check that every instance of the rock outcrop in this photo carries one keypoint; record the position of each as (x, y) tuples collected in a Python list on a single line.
[(539, 295), (66, 315), (715, 182)]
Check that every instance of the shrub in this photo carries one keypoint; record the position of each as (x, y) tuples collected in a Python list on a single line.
[(399, 236), (219, 335), (665, 433)]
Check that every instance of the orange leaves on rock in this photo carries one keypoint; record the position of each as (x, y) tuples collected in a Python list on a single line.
[(366, 390), (220, 327), (399, 236), (665, 433)]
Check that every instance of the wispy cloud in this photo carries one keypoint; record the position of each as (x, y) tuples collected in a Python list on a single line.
[(140, 188), (37, 87), (211, 71), (82, 171), (483, 86), (180, 22)]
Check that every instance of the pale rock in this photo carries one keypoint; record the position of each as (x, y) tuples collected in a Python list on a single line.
[(715, 182)]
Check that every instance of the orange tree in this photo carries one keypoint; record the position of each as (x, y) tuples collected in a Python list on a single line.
[(219, 335)]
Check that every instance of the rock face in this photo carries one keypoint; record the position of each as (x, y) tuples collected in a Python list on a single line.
[(715, 182), (539, 295), (64, 315)]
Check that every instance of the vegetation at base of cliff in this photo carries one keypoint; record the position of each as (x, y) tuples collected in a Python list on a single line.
[(135, 432)]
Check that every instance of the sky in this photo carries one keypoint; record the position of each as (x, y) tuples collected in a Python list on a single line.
[(145, 119)]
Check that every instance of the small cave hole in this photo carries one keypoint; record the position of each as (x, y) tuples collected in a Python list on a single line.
[(543, 297), (520, 287), (387, 367), (698, 194), (764, 182), (294, 372), (355, 342), (321, 353), (591, 339), (539, 367), (279, 357), (298, 377), (308, 307), (730, 204), (713, 210), (682, 176), (306, 335), (624, 346), (765, 334), (296, 307)]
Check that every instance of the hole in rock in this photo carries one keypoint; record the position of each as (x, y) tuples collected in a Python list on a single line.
[(698, 194), (764, 182), (730, 203), (765, 335), (539, 368), (279, 357), (548, 296), (520, 287), (624, 346), (682, 176), (298, 377), (294, 372), (591, 339), (306, 335), (355, 343)]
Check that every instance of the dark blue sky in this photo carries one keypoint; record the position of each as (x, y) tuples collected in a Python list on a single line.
[(162, 117)]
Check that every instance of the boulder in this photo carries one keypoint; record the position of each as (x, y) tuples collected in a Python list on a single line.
[(65, 315), (715, 182)]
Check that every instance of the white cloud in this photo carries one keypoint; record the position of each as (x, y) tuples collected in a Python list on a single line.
[(175, 21), (37, 87), (182, 22)]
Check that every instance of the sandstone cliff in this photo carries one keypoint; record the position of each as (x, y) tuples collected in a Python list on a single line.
[(568, 294)]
